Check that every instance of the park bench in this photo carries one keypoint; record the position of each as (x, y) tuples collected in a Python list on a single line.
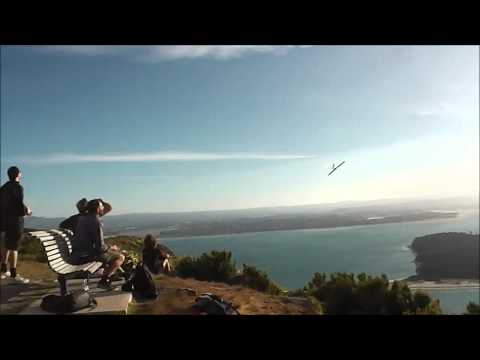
[(58, 247)]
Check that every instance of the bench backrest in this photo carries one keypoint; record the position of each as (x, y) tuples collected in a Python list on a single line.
[(58, 247)]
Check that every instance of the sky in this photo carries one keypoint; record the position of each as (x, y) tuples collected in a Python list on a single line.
[(186, 128)]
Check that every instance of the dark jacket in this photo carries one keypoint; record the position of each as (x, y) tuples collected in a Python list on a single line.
[(153, 258), (12, 208), (71, 223), (88, 239)]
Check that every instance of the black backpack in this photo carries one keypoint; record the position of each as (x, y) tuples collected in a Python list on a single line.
[(141, 283), (70, 303), (214, 305)]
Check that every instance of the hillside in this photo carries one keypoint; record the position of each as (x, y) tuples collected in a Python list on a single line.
[(174, 299)]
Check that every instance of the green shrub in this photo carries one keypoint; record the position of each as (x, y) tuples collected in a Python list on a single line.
[(473, 309), (215, 266), (258, 280), (31, 248), (342, 293)]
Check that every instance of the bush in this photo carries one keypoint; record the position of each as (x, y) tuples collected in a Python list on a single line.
[(342, 293), (31, 248), (473, 309), (216, 266), (258, 280)]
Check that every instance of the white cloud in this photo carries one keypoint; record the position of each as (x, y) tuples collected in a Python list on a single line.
[(440, 109), (154, 157), (156, 53)]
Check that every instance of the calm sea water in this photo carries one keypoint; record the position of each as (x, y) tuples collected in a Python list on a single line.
[(292, 257)]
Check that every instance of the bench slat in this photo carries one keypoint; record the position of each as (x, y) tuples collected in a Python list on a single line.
[(46, 238), (56, 261), (49, 242), (94, 266), (97, 266), (67, 270), (39, 233), (53, 252), (51, 247), (59, 267), (53, 257)]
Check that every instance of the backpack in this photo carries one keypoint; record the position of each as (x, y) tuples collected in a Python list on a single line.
[(141, 283), (70, 303), (214, 305)]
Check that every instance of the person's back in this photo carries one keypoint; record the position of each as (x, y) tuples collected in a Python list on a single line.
[(88, 238), (12, 207), (153, 258), (72, 222)]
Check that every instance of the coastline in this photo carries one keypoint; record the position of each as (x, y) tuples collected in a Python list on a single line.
[(442, 284), (173, 236)]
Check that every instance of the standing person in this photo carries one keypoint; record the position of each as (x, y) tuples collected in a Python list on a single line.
[(88, 243), (72, 221), (12, 212)]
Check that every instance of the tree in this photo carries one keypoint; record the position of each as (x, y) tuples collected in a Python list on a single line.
[(473, 309), (421, 301)]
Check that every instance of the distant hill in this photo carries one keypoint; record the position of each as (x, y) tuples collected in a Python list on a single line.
[(447, 255), (272, 218)]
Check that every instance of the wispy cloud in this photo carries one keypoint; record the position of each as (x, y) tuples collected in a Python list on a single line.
[(430, 111), (157, 53), (154, 157)]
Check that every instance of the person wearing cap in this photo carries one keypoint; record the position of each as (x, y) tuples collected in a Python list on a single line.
[(11, 224), (72, 222), (89, 245)]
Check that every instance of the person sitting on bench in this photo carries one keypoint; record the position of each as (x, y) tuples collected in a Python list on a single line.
[(72, 221), (154, 257), (88, 243)]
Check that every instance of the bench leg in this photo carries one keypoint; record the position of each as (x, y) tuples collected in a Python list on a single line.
[(63, 285), (85, 282)]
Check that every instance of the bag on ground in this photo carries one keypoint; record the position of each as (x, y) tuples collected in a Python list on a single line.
[(70, 303), (214, 305), (141, 283)]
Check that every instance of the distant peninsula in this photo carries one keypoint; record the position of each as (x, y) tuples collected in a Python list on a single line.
[(293, 222), (449, 255)]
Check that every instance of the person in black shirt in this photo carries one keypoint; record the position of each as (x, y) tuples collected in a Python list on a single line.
[(154, 257), (72, 221), (11, 223)]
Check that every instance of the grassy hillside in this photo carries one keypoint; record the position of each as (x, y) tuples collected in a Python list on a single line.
[(252, 289)]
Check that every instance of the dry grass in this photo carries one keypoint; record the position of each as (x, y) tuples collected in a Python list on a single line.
[(174, 301), (35, 270)]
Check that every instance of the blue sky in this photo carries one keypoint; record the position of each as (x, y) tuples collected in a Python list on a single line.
[(181, 128)]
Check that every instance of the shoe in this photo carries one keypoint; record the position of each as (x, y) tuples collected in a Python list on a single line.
[(5, 275), (18, 280), (105, 284)]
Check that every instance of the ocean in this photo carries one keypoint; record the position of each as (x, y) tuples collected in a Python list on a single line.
[(292, 257)]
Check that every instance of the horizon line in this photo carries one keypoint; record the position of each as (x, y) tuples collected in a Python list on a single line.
[(475, 199)]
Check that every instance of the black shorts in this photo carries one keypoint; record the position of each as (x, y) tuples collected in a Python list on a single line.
[(12, 235)]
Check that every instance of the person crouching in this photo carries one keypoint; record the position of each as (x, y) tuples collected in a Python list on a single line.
[(154, 257)]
